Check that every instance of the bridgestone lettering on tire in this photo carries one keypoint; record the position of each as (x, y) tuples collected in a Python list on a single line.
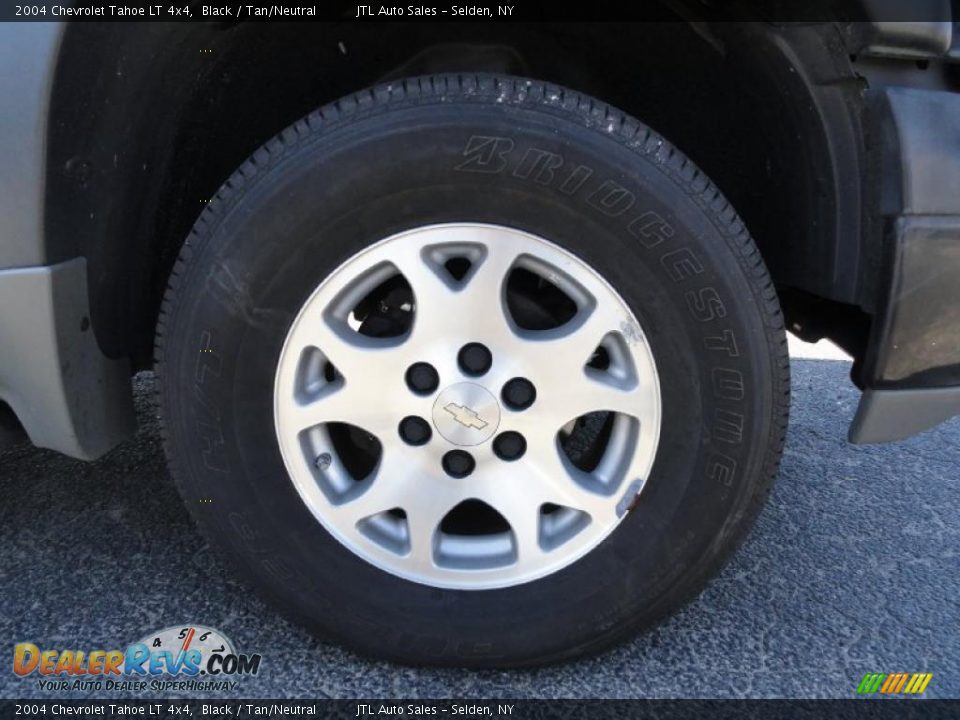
[(476, 371)]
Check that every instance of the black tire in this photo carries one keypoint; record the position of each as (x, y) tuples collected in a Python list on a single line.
[(397, 156)]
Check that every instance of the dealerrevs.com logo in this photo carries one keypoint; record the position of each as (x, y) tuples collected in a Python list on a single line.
[(181, 657)]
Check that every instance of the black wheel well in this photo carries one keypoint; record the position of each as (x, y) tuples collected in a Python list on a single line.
[(146, 122)]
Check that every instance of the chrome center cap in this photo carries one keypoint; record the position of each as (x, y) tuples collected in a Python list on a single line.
[(466, 414)]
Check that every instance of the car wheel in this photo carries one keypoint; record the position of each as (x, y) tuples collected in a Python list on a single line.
[(472, 370)]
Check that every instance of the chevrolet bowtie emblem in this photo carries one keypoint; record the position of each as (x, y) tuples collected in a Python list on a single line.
[(465, 416)]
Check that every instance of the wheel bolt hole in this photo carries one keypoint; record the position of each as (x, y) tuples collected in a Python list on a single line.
[(415, 430), (422, 378), (509, 445), (458, 463), (474, 359), (518, 394)]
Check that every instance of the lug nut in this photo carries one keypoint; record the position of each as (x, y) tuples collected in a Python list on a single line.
[(509, 445), (518, 394), (458, 463), (474, 359), (415, 430), (422, 378)]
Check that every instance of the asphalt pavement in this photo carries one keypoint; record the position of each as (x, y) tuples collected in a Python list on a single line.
[(852, 568)]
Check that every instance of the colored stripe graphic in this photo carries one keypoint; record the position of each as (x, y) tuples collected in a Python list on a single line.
[(870, 683), (922, 684), (891, 679), (894, 683)]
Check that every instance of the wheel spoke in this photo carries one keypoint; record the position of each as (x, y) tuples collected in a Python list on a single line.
[(567, 349), (349, 404), (564, 484), (444, 306), (519, 502), (484, 283), (378, 494), (423, 521), (593, 393), (393, 484), (568, 388), (355, 355)]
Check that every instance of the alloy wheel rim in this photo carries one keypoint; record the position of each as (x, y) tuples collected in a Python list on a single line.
[(378, 455)]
